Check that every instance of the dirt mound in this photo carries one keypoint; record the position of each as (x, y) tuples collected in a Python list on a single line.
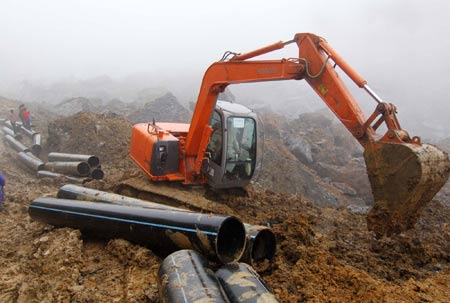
[(327, 254), (104, 135)]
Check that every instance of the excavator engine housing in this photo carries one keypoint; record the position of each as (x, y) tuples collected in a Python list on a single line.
[(156, 150)]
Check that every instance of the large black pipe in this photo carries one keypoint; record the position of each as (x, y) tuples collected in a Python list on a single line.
[(31, 161), (92, 160), (260, 243), (52, 175), (69, 168), (36, 147), (221, 238), (97, 173), (260, 247), (243, 284), (16, 145), (75, 192), (184, 277)]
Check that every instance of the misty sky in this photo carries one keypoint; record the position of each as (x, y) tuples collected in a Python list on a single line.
[(85, 38), (400, 46)]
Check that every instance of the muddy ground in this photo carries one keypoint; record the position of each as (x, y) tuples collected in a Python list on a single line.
[(324, 254)]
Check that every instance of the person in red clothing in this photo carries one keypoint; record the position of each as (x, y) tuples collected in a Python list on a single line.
[(26, 118)]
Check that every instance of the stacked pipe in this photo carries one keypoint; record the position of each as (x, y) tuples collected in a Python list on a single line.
[(220, 238), (74, 168), (260, 241), (190, 238), (185, 276), (27, 156), (75, 164)]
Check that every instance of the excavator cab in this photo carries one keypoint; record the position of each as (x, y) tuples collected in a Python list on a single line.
[(232, 149)]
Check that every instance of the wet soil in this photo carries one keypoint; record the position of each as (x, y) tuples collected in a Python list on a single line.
[(324, 254)]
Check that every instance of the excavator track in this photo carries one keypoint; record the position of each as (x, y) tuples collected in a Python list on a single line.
[(172, 194)]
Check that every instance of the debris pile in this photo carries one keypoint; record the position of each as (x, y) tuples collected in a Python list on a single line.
[(104, 135)]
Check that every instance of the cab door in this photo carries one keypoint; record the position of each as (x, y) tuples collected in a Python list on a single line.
[(231, 152), (213, 167)]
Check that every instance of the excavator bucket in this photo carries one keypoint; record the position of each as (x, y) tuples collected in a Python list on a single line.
[(404, 178)]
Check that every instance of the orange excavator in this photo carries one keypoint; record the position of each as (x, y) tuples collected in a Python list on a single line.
[(221, 145)]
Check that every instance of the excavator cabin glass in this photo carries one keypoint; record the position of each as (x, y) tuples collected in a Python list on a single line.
[(241, 148)]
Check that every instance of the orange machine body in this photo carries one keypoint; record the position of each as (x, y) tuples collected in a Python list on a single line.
[(156, 149), (312, 64)]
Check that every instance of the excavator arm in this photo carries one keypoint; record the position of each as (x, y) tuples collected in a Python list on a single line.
[(404, 173)]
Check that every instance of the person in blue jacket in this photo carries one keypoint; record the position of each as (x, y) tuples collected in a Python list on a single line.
[(2, 184)]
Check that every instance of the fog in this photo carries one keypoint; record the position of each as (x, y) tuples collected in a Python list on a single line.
[(399, 46)]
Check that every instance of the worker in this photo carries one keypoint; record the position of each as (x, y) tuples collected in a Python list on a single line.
[(21, 107), (26, 118), (13, 120), (2, 185)]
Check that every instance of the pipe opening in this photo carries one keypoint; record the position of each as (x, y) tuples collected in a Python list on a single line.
[(83, 168), (93, 161), (97, 174), (230, 240), (263, 246), (36, 150)]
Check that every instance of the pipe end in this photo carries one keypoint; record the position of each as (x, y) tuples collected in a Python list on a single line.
[(230, 240)]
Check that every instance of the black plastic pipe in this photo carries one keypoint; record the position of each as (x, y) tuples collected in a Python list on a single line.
[(92, 160), (97, 173), (221, 238), (31, 161), (36, 147), (260, 244), (260, 247), (52, 175), (75, 192), (16, 145), (69, 168), (242, 283), (184, 277)]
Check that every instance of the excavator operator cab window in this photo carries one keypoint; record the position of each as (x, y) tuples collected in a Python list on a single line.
[(240, 149), (215, 143)]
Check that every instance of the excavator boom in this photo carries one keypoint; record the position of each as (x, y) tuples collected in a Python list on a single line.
[(404, 173)]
